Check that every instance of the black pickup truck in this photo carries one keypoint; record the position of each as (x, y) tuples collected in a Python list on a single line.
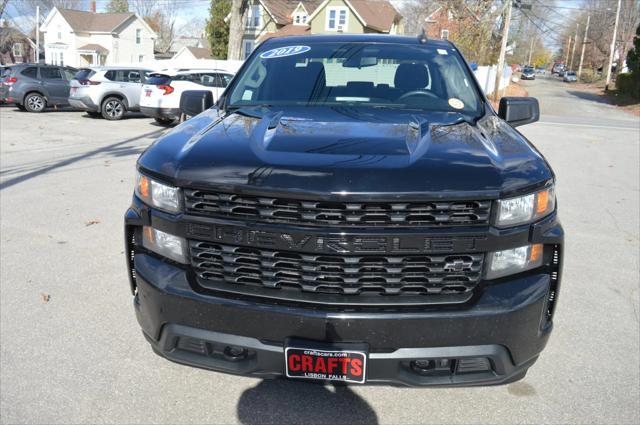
[(351, 209)]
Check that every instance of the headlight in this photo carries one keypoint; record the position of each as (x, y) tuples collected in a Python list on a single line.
[(512, 261), (526, 209), (158, 195), (165, 244)]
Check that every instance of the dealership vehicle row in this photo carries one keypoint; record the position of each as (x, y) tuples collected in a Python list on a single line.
[(109, 92)]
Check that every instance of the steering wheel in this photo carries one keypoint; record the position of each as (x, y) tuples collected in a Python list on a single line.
[(419, 92)]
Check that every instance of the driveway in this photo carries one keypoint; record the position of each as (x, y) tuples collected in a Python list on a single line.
[(71, 350)]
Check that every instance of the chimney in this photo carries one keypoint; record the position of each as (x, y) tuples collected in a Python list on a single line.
[(92, 6)]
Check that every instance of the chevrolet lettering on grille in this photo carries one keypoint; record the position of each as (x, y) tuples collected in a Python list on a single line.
[(337, 244)]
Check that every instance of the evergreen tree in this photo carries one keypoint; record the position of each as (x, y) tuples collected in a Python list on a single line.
[(118, 6), (217, 29), (633, 56)]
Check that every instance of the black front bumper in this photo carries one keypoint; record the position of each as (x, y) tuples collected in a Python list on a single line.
[(506, 323)]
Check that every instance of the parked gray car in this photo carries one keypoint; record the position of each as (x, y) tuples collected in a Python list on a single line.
[(570, 77), (33, 87), (107, 91)]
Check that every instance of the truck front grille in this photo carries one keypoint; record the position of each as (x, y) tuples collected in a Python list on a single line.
[(298, 211), (393, 275)]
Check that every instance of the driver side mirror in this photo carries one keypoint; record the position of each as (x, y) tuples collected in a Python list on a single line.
[(519, 110), (193, 102)]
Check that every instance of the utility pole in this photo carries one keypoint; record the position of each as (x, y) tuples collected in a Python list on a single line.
[(503, 51), (566, 61), (613, 48), (584, 44), (573, 52), (533, 39), (37, 58)]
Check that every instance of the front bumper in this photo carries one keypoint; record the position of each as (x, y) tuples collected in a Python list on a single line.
[(160, 113), (507, 324)]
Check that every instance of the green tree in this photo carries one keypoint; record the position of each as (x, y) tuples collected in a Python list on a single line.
[(217, 29), (118, 6), (633, 57)]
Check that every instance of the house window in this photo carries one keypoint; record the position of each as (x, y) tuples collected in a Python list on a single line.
[(140, 58), (337, 18), (254, 16), (444, 34), (300, 18), (138, 36), (61, 58), (17, 50), (248, 48)]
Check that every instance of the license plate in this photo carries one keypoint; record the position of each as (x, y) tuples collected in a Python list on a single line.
[(147, 93), (325, 365)]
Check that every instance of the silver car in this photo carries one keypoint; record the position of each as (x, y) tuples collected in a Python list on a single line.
[(570, 77), (107, 91)]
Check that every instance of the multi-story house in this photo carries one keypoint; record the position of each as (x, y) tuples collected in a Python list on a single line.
[(277, 18), (15, 46), (80, 39)]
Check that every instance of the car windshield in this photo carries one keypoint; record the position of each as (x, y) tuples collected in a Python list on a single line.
[(423, 77), (571, 74)]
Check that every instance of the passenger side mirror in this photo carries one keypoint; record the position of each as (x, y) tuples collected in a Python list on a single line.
[(193, 102), (519, 110)]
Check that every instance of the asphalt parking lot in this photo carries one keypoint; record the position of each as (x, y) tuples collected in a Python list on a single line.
[(71, 350)]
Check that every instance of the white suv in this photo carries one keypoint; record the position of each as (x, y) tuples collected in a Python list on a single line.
[(160, 95), (107, 91)]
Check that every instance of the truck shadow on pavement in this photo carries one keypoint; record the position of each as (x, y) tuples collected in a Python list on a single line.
[(286, 402)]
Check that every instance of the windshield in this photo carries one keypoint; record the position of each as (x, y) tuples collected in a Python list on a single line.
[(378, 75)]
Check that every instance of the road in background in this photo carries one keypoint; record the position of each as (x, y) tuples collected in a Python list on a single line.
[(66, 180)]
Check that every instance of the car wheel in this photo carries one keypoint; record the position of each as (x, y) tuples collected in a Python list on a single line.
[(113, 109), (34, 103), (165, 121)]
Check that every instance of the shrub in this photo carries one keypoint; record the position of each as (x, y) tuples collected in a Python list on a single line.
[(588, 76), (628, 84)]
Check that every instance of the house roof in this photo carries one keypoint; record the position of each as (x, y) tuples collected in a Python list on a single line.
[(200, 52), (286, 31), (281, 10), (378, 15), (92, 47), (94, 22)]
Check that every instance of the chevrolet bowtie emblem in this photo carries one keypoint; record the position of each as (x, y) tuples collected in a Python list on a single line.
[(457, 265)]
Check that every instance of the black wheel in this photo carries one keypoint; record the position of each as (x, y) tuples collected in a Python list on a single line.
[(21, 107), (113, 109), (165, 121), (93, 114), (34, 102)]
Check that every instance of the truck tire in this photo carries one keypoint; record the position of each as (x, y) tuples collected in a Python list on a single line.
[(34, 102), (113, 109)]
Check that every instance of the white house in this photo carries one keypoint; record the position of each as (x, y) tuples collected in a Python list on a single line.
[(80, 39)]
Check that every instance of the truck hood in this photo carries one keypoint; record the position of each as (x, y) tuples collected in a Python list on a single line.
[(347, 150)]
